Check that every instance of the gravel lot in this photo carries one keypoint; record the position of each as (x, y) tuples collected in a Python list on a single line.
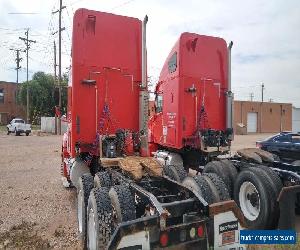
[(35, 210)]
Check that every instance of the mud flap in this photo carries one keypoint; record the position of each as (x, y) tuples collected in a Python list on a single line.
[(287, 199), (79, 168), (228, 220)]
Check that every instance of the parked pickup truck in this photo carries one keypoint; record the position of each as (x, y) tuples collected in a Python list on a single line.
[(18, 126)]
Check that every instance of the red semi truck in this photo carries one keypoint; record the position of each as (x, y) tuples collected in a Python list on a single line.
[(192, 117), (131, 172), (125, 197)]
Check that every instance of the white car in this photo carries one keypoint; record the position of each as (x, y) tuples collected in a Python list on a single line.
[(18, 126)]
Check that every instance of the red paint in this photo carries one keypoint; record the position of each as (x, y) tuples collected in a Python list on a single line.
[(105, 48), (201, 64), (129, 148)]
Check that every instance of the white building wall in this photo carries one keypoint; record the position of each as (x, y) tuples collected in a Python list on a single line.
[(296, 119), (48, 125)]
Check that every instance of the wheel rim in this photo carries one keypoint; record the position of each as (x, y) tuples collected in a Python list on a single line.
[(79, 211), (249, 201), (92, 242)]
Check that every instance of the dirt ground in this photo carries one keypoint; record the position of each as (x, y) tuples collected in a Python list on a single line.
[(247, 141), (35, 210)]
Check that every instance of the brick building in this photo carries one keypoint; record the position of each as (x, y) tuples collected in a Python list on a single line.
[(258, 117), (9, 107), (263, 117)]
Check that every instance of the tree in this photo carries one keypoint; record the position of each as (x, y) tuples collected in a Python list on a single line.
[(43, 96)]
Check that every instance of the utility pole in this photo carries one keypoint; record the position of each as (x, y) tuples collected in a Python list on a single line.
[(18, 60), (251, 97), (55, 78), (60, 29), (55, 64), (27, 43), (262, 92)]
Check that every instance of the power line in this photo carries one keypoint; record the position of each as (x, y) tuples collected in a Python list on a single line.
[(66, 30), (121, 5), (70, 19), (49, 35), (12, 29), (23, 13)]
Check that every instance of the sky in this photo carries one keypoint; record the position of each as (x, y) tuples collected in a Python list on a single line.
[(266, 37)]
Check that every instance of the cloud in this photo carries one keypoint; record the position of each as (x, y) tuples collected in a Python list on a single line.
[(265, 35)]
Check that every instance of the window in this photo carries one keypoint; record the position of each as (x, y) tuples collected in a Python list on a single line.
[(284, 138), (1, 96), (158, 103), (19, 121), (172, 64), (296, 138)]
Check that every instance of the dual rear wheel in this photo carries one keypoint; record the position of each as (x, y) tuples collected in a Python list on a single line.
[(209, 185), (101, 207), (255, 189)]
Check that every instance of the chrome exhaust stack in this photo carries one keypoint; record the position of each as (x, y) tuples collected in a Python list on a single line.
[(144, 95), (229, 96), (144, 53)]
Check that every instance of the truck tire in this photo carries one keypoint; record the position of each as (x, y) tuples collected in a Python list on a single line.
[(252, 192), (296, 163), (102, 179), (8, 132), (176, 173), (85, 185), (275, 186), (223, 172), (27, 133), (123, 203), (200, 185), (231, 172), (217, 183), (273, 178), (16, 132), (100, 225)]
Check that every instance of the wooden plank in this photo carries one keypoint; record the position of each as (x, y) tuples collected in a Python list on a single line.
[(132, 166), (109, 162), (135, 166), (151, 166)]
